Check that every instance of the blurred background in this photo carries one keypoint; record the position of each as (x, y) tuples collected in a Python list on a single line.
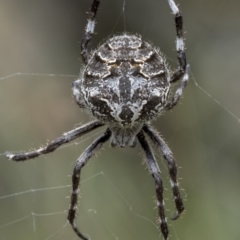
[(117, 192)]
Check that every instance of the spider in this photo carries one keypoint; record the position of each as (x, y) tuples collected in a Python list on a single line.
[(124, 84)]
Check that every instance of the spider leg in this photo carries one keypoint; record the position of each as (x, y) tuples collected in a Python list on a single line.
[(89, 30), (183, 68), (169, 105), (65, 138), (155, 171), (179, 43), (81, 162), (172, 167)]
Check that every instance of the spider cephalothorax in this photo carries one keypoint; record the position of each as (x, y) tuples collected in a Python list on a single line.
[(124, 85)]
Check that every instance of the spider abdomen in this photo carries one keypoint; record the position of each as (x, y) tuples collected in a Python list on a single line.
[(126, 80), (124, 84)]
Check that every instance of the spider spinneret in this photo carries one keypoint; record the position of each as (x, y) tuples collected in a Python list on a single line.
[(124, 84)]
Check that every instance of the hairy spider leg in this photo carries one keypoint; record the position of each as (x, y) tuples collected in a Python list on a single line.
[(172, 167), (183, 68), (180, 46), (81, 162), (89, 30), (155, 171), (52, 146)]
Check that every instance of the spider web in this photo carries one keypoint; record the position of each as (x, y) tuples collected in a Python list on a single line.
[(38, 62)]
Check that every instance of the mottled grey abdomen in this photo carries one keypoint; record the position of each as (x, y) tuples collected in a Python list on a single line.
[(125, 84)]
